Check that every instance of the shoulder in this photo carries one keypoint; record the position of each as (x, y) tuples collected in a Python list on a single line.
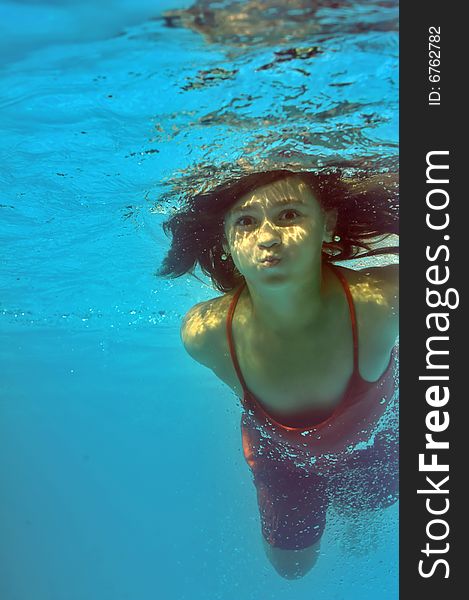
[(203, 329), (377, 286), (385, 283), (375, 291)]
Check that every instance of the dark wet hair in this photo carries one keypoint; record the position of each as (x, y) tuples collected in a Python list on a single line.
[(367, 209)]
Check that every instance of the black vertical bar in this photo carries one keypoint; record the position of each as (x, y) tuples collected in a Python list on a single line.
[(432, 122)]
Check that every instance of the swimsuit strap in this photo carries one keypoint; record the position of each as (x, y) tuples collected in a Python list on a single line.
[(229, 328), (353, 317), (229, 335)]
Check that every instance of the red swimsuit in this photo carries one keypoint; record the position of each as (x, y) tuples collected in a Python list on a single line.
[(312, 459)]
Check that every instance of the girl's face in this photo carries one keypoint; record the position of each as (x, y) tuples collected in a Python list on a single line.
[(276, 232)]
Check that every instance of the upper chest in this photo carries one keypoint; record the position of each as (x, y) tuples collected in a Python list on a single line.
[(308, 370)]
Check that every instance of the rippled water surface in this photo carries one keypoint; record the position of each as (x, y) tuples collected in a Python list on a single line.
[(121, 456)]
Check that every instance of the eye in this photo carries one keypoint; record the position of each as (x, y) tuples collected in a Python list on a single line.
[(244, 221), (289, 214)]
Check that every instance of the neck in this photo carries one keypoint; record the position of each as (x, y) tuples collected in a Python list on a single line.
[(290, 308)]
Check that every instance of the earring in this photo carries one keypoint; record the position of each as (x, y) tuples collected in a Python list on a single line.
[(336, 238), (224, 256)]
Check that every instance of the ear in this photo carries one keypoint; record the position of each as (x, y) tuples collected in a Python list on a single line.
[(330, 223), (226, 248)]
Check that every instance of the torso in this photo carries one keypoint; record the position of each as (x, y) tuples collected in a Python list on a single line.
[(281, 372)]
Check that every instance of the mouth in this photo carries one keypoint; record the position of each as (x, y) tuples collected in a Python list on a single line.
[(270, 261)]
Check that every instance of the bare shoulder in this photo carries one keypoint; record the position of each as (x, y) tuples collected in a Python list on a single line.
[(375, 292), (377, 286), (385, 281), (203, 329)]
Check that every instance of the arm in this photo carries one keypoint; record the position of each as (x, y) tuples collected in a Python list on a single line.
[(384, 281), (389, 277), (200, 333), (203, 334)]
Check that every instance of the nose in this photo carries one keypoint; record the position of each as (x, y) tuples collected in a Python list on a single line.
[(268, 235)]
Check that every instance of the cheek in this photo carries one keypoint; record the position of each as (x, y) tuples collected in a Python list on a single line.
[(314, 234), (307, 244), (242, 249), (241, 242)]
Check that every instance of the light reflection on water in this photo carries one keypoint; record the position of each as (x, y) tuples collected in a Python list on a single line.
[(101, 134), (106, 116)]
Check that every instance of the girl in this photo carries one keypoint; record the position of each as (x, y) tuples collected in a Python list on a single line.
[(307, 345)]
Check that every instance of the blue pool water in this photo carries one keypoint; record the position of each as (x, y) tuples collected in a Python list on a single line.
[(120, 458)]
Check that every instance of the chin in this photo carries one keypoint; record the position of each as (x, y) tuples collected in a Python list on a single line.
[(271, 278)]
